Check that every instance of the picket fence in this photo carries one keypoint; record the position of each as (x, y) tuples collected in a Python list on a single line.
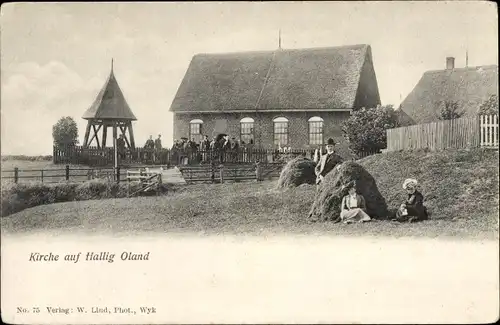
[(489, 130), (461, 133)]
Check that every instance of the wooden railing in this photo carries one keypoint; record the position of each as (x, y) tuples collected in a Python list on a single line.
[(57, 175), (236, 172), (150, 181), (93, 156)]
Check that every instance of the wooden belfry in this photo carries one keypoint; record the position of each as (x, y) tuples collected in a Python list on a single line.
[(110, 109)]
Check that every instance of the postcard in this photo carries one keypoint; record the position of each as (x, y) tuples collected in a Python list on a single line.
[(249, 162)]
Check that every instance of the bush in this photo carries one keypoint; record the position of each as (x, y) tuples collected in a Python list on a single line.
[(366, 129), (17, 197), (65, 132), (327, 203), (296, 172), (489, 106), (449, 111)]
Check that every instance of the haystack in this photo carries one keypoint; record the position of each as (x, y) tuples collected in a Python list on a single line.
[(328, 199), (296, 172)]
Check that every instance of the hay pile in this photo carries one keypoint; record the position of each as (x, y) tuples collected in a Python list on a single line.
[(328, 199), (296, 172)]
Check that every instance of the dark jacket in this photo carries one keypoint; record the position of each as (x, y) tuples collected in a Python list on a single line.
[(226, 145), (205, 145), (415, 206), (150, 144), (158, 144), (120, 144), (327, 163)]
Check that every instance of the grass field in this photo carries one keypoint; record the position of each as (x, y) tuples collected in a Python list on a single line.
[(27, 164), (460, 187)]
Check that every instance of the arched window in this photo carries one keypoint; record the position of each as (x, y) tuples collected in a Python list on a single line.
[(316, 130), (280, 131), (195, 130), (247, 130)]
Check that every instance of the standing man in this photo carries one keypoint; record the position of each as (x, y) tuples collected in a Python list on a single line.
[(205, 147), (234, 150), (149, 147), (327, 162), (120, 146), (158, 147)]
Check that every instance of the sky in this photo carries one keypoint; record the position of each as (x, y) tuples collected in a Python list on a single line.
[(56, 56)]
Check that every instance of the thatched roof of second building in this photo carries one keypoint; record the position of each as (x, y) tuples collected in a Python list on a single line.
[(327, 78), (469, 87)]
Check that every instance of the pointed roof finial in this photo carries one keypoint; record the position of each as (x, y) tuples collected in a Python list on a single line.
[(111, 64), (466, 58), (279, 39)]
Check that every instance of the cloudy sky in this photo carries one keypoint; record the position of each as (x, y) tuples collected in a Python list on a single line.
[(56, 57)]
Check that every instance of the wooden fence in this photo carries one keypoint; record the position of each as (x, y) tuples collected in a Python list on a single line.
[(489, 131), (57, 175), (215, 172), (93, 156), (465, 132)]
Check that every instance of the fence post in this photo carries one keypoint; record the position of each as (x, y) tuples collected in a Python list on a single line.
[(118, 174), (67, 172), (213, 172), (221, 171), (42, 175), (258, 171), (16, 175)]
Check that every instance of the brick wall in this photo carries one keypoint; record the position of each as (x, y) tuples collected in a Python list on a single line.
[(298, 127)]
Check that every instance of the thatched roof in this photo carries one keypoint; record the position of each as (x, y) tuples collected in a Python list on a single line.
[(467, 86), (403, 118), (324, 78), (110, 103)]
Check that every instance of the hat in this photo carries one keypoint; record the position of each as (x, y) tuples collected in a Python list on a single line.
[(409, 182), (351, 184), (330, 142)]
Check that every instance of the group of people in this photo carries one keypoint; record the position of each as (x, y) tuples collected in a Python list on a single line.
[(353, 206), (153, 148), (208, 149)]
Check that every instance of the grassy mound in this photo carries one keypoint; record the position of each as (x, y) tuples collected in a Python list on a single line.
[(296, 172), (456, 184), (326, 205), (17, 197)]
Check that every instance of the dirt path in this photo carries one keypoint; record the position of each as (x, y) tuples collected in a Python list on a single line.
[(264, 279)]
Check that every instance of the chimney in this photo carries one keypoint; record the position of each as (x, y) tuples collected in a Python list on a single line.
[(450, 63)]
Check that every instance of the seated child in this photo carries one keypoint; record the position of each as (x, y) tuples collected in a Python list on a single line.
[(413, 208)]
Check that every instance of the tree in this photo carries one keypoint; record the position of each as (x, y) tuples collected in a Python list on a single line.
[(449, 110), (366, 128), (65, 132), (489, 106)]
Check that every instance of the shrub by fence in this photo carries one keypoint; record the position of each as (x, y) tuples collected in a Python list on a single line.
[(17, 197), (461, 133)]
